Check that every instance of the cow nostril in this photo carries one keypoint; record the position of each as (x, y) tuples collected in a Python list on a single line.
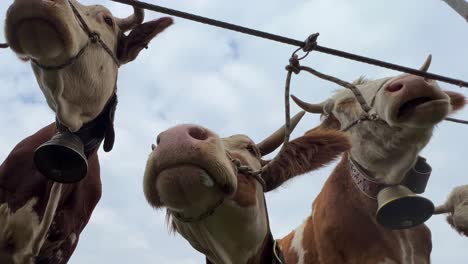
[(158, 139), (394, 87), (198, 133)]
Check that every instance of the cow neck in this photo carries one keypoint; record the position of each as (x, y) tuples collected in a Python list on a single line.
[(366, 184), (415, 179), (270, 252), (101, 128)]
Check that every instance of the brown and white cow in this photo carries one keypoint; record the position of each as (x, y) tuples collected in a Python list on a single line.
[(41, 221), (456, 206), (342, 227), (220, 209), (76, 73)]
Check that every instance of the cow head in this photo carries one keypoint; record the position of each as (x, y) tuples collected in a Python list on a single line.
[(50, 34), (456, 207), (191, 173), (409, 107)]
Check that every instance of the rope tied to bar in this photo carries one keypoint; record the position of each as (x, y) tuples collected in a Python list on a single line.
[(302, 44)]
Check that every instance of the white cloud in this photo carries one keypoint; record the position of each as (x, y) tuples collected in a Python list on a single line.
[(232, 83)]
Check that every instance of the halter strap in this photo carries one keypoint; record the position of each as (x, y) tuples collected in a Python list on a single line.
[(188, 219), (365, 116), (211, 210), (277, 256), (93, 36)]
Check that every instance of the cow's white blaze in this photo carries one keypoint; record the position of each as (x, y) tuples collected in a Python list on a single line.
[(297, 244)]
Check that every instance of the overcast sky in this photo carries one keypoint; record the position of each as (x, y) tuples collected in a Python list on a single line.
[(232, 83)]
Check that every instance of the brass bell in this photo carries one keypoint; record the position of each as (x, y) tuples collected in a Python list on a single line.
[(400, 208), (62, 158)]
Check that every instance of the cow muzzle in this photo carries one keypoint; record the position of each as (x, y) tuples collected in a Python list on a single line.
[(43, 29)]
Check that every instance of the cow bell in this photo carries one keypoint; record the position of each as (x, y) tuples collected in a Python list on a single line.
[(62, 158), (400, 208)]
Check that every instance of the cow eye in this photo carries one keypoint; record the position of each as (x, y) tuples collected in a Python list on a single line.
[(252, 150), (109, 21)]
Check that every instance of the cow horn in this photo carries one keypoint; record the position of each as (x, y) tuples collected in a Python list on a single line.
[(126, 24), (275, 140), (311, 108), (426, 64)]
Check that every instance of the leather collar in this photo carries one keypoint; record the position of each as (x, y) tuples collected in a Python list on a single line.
[(365, 184), (416, 179)]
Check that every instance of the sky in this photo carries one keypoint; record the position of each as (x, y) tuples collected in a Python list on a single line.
[(233, 83)]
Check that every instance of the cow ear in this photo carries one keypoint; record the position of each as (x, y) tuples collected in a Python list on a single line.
[(309, 152), (130, 46), (329, 121), (458, 101)]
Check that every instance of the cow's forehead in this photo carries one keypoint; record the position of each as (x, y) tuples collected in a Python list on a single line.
[(236, 141), (368, 89)]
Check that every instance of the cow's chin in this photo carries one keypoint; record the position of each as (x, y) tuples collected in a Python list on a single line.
[(188, 188), (424, 115), (44, 30)]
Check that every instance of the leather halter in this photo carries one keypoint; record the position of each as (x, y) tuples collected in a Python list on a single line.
[(210, 211), (366, 116), (93, 36)]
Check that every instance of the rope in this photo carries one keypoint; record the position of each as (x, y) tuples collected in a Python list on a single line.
[(69, 62), (293, 67), (347, 85), (357, 94), (456, 120), (290, 41)]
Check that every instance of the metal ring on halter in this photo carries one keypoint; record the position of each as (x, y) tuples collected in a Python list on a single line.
[(257, 175)]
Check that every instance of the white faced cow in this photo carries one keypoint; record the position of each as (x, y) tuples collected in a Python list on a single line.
[(342, 227), (75, 51), (215, 205), (41, 221)]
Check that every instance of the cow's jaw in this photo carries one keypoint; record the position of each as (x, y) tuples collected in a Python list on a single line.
[(229, 233), (387, 154), (48, 32), (188, 189)]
